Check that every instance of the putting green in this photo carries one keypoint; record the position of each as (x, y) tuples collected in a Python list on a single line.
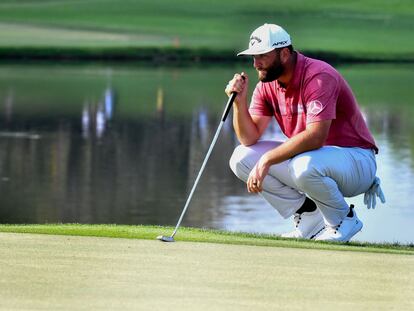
[(51, 272)]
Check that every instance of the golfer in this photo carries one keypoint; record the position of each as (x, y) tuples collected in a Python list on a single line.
[(329, 153)]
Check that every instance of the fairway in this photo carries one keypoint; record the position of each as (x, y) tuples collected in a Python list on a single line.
[(354, 28), (51, 272)]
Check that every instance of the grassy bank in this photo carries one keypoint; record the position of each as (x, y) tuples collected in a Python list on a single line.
[(201, 235), (206, 30)]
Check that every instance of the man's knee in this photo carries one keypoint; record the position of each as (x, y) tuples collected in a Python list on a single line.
[(303, 171), (238, 162)]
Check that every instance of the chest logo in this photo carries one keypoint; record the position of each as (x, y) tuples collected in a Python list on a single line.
[(315, 107)]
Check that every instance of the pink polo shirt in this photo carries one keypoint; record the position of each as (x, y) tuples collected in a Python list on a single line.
[(317, 92)]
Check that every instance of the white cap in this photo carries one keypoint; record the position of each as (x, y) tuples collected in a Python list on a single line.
[(267, 38)]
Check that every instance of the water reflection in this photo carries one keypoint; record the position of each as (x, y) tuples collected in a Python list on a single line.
[(126, 150), (96, 115)]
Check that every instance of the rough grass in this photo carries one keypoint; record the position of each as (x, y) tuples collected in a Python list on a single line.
[(202, 235)]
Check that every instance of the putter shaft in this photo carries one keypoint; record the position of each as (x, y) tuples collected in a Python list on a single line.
[(187, 203), (210, 149)]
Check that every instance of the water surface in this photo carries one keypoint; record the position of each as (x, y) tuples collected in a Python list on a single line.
[(123, 144)]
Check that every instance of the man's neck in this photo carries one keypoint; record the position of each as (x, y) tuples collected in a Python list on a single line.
[(285, 79)]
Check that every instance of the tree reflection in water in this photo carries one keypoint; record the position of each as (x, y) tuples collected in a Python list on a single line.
[(113, 154)]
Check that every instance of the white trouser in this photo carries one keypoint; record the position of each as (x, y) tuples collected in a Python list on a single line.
[(325, 175)]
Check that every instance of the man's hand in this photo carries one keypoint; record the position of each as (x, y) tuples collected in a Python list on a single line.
[(238, 84), (257, 175)]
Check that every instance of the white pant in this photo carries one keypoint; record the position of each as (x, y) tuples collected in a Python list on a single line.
[(325, 175)]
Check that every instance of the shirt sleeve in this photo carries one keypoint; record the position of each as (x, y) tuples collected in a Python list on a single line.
[(258, 104), (320, 96)]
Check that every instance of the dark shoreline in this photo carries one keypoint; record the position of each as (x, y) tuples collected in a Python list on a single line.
[(174, 56)]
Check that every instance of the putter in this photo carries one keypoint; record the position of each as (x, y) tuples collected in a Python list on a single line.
[(170, 238)]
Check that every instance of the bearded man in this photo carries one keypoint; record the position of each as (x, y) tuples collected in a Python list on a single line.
[(329, 153)]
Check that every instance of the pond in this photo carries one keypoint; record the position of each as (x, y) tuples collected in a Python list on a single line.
[(123, 144)]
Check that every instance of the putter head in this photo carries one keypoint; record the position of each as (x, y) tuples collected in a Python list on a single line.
[(164, 238)]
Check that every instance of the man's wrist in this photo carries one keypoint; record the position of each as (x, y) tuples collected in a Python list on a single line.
[(266, 159), (240, 103)]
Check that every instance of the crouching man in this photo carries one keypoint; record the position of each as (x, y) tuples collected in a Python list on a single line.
[(329, 153)]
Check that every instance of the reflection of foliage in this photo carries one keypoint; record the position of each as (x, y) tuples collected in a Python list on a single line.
[(134, 173), (143, 165), (394, 127), (56, 91), (385, 93), (381, 85)]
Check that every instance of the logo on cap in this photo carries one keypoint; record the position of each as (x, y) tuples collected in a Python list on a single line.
[(254, 39), (279, 43)]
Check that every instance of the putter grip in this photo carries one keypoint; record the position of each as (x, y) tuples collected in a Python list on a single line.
[(229, 104)]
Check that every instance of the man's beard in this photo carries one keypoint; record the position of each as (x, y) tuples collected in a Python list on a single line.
[(273, 73)]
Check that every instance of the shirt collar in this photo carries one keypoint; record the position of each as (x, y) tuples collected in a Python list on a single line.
[(300, 62)]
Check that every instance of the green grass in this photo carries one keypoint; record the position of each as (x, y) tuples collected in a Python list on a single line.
[(365, 29), (50, 272), (201, 235)]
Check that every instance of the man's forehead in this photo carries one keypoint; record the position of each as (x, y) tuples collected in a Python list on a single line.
[(266, 54)]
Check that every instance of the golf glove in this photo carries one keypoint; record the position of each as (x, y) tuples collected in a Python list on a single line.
[(374, 191)]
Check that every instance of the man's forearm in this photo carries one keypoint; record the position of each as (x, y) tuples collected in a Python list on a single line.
[(302, 142), (245, 128)]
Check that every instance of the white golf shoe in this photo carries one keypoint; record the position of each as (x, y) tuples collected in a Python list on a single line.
[(343, 232), (307, 225)]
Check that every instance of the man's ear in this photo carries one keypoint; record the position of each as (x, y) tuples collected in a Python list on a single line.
[(284, 55)]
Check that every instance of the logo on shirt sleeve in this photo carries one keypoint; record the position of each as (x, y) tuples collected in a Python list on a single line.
[(315, 107)]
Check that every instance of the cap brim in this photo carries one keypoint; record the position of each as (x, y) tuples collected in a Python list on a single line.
[(256, 51)]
